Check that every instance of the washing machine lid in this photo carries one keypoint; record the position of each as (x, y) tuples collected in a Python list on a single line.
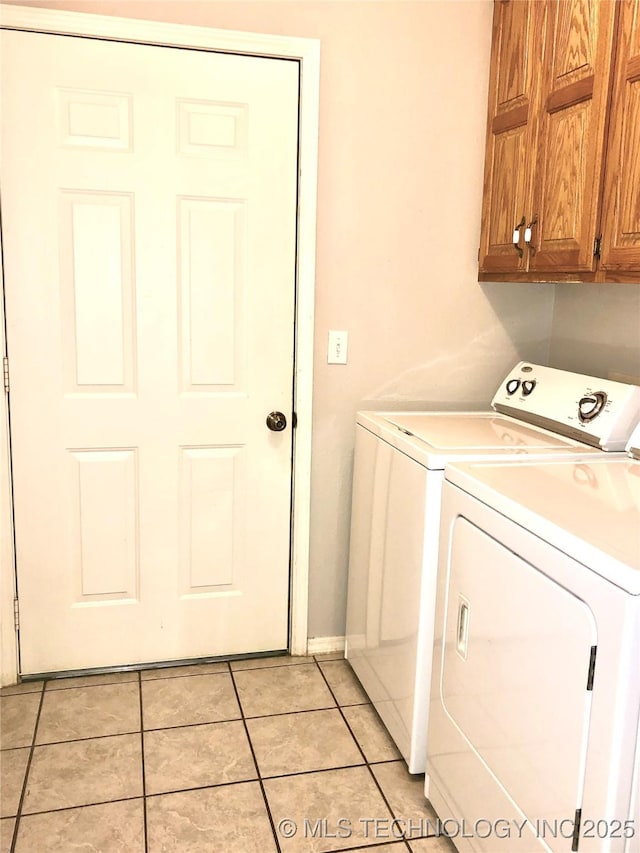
[(437, 438), (538, 410), (588, 508)]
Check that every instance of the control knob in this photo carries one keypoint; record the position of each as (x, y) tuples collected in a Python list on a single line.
[(527, 386), (590, 406), (512, 386)]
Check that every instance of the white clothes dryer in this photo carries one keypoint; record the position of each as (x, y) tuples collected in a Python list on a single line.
[(535, 695), (538, 412)]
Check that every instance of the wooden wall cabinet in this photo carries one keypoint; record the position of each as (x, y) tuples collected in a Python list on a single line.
[(563, 134)]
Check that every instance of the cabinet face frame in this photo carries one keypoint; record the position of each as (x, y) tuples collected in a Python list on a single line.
[(621, 214)]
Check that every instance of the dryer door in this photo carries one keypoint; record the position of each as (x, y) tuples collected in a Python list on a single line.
[(514, 685)]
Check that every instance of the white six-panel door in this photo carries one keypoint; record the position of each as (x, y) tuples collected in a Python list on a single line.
[(149, 214)]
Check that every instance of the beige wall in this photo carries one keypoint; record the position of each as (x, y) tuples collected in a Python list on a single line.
[(596, 329), (402, 117)]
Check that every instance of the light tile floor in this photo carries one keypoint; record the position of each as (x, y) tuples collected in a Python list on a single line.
[(273, 754)]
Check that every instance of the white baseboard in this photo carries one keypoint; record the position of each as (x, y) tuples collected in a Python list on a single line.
[(324, 645)]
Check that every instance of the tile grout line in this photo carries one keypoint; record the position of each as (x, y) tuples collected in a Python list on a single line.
[(54, 693), (200, 787), (377, 845), (62, 686), (58, 809), (270, 666), (367, 764), (43, 690), (339, 707), (244, 719), (144, 780), (14, 837), (89, 737), (366, 760), (118, 681), (255, 761)]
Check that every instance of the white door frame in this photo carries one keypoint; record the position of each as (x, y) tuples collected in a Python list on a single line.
[(307, 52)]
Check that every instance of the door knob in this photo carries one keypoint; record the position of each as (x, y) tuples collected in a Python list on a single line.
[(276, 421)]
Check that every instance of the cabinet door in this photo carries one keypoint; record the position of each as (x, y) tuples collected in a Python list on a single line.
[(513, 93), (568, 173), (621, 221)]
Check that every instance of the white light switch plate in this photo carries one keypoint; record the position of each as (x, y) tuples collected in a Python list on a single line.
[(337, 352)]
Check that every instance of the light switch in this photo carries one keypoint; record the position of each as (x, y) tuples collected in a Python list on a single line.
[(337, 353)]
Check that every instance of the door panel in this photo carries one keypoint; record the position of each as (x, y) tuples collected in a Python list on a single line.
[(149, 214), (572, 134), (211, 235), (97, 292), (511, 133)]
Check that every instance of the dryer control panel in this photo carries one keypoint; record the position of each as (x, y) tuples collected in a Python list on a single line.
[(597, 411)]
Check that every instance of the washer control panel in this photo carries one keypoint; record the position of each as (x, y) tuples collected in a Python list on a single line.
[(596, 411)]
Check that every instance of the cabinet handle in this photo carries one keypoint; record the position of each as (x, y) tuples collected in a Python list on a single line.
[(527, 235), (516, 237)]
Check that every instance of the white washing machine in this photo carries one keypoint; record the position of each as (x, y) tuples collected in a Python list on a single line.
[(535, 695), (398, 473)]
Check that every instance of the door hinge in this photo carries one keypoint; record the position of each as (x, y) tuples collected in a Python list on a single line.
[(596, 246), (5, 373), (592, 667), (294, 420), (576, 831), (16, 614)]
